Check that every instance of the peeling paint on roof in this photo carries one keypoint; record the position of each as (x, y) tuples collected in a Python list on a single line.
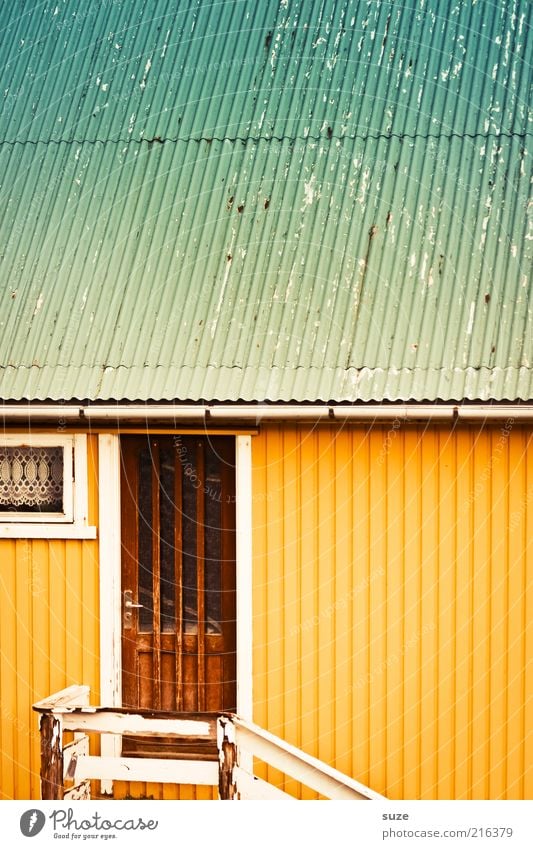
[(301, 200)]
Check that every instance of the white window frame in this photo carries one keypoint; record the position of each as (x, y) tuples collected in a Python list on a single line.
[(72, 523)]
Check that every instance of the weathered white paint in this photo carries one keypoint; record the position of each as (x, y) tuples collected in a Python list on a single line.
[(110, 722), (110, 560), (251, 787), (80, 791), (27, 530), (147, 769), (243, 490), (251, 741), (72, 523), (77, 695), (71, 753), (110, 584)]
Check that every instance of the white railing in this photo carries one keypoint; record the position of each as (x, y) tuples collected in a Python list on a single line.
[(250, 742), (67, 768)]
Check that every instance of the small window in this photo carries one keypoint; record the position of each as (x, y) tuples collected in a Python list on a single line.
[(34, 483), (43, 486)]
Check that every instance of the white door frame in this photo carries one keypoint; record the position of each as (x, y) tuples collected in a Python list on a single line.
[(109, 533), (243, 522), (110, 570)]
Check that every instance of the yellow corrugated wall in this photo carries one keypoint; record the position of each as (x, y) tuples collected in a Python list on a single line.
[(49, 637), (392, 627), (391, 622)]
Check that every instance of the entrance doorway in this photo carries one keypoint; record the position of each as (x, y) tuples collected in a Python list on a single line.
[(178, 573)]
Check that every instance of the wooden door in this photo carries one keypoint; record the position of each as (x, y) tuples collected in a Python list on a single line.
[(178, 573)]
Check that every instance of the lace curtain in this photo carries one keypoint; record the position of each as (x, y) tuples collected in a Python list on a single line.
[(31, 479)]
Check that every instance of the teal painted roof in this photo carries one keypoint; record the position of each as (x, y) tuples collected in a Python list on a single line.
[(297, 200)]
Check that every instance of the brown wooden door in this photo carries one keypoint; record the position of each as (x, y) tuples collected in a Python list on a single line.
[(178, 565)]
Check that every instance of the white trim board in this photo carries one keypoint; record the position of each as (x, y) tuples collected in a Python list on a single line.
[(73, 523), (243, 505), (47, 531), (158, 770), (110, 559), (110, 590)]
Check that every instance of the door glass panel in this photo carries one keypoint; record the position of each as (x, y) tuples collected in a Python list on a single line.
[(189, 532), (167, 510), (178, 525), (213, 501), (145, 542)]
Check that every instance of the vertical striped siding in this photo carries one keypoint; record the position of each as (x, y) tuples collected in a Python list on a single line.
[(48, 637), (391, 621), (152, 790)]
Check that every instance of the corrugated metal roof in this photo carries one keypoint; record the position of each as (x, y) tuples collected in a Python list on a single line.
[(275, 201)]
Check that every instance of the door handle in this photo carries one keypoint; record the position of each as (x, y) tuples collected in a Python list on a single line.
[(129, 606)]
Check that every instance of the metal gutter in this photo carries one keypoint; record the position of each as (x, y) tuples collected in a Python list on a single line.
[(40, 411), (146, 412), (388, 412), (520, 411), (268, 412)]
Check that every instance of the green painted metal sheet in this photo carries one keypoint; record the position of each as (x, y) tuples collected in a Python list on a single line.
[(266, 201)]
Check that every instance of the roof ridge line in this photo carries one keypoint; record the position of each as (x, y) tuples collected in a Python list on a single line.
[(254, 139)]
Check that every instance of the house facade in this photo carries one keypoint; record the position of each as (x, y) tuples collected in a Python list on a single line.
[(266, 382)]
